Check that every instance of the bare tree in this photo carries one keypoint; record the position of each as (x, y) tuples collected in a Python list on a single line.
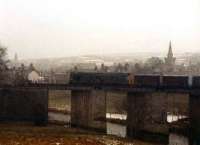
[(154, 65), (3, 64), (3, 58)]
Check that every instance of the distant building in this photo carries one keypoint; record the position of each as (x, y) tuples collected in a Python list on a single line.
[(16, 57), (15, 61), (85, 67), (34, 77), (53, 77), (170, 60), (103, 68)]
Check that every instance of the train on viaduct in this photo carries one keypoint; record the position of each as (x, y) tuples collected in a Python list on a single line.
[(137, 80)]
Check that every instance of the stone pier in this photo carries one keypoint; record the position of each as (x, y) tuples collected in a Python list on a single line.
[(24, 104), (194, 107), (88, 109), (147, 116)]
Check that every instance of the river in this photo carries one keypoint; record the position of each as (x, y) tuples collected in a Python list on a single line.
[(120, 130), (112, 129)]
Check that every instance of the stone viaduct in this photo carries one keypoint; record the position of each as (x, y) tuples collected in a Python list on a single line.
[(148, 99)]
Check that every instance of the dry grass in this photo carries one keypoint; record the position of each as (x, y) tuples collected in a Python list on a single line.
[(26, 134)]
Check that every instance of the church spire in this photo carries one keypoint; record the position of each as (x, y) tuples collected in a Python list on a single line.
[(170, 53), (170, 59)]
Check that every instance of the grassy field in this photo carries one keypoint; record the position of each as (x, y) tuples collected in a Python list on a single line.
[(27, 134)]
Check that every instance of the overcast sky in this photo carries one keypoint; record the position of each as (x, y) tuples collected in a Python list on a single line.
[(57, 28)]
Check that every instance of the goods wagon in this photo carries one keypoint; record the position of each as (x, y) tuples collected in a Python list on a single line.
[(87, 78), (196, 81), (146, 80), (175, 81)]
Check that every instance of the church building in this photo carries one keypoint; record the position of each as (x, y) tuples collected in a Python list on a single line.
[(170, 60)]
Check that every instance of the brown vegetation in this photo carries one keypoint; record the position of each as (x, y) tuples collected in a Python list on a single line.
[(26, 134)]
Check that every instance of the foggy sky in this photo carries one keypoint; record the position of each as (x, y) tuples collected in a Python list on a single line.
[(57, 28)]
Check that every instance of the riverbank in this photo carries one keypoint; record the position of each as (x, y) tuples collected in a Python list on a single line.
[(27, 134)]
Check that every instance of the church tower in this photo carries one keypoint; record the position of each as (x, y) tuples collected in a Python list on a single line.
[(170, 59)]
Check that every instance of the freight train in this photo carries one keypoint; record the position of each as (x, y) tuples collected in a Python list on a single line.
[(137, 80)]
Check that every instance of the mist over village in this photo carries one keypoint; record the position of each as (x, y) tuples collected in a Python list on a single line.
[(136, 63)]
